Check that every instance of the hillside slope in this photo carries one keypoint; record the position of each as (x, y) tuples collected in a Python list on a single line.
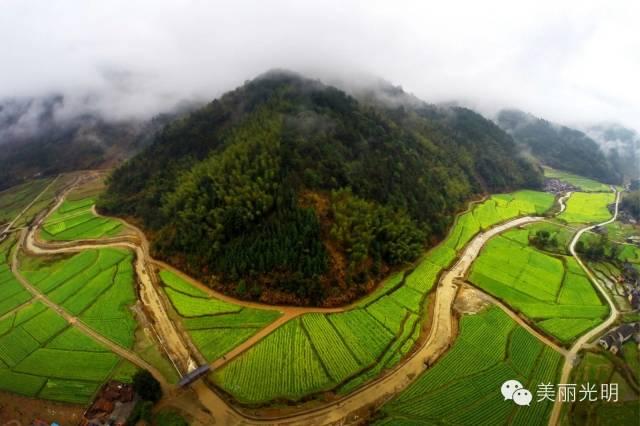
[(558, 146), (36, 139), (290, 191)]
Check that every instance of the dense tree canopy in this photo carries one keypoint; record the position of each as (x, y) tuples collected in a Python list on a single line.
[(560, 147), (292, 190)]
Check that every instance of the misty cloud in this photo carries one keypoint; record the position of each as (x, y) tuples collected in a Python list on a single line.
[(572, 62)]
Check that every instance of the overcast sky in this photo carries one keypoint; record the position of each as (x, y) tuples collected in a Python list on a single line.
[(569, 61)]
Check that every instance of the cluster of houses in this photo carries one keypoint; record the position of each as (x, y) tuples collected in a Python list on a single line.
[(556, 186), (112, 406), (630, 281), (614, 339)]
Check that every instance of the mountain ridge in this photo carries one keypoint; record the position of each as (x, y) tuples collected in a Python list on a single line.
[(231, 192)]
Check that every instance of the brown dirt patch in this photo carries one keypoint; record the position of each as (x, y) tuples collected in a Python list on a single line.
[(21, 411), (470, 301)]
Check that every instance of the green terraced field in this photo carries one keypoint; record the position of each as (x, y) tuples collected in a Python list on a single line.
[(14, 200), (585, 207), (497, 209), (74, 220), (463, 387), (283, 365), (384, 326), (351, 347), (562, 236), (215, 326), (551, 290), (13, 293), (583, 183), (95, 285), (598, 368), (620, 231), (41, 356)]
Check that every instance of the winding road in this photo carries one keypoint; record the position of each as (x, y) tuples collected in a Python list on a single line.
[(343, 410), (571, 356)]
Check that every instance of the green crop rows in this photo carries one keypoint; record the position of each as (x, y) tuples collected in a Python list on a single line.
[(356, 346), (585, 207), (74, 220), (41, 356), (284, 365), (551, 290), (215, 326), (13, 294), (602, 368), (496, 209), (464, 386), (96, 286), (14, 200)]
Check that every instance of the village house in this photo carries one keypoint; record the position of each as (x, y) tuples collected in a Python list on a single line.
[(614, 339), (112, 406)]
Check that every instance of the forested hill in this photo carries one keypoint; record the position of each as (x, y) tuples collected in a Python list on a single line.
[(558, 146), (37, 140), (290, 191)]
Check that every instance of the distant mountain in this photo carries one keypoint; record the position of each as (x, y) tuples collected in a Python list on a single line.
[(559, 146), (291, 191), (37, 139), (622, 146)]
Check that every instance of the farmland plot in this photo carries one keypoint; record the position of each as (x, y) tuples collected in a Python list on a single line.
[(384, 326), (96, 286), (41, 356), (11, 291), (550, 290), (463, 387), (282, 366), (215, 326), (74, 220), (350, 347), (15, 199), (585, 207), (599, 368), (498, 208)]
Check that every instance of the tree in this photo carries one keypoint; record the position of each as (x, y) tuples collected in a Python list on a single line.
[(147, 386)]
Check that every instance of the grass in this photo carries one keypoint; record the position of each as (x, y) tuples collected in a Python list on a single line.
[(583, 183), (585, 207), (74, 220), (215, 326), (551, 290), (463, 387)]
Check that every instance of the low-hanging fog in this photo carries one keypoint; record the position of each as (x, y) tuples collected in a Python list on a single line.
[(573, 62)]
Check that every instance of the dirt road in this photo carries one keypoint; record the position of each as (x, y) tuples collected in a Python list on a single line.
[(570, 358), (171, 339), (340, 411), (76, 322)]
